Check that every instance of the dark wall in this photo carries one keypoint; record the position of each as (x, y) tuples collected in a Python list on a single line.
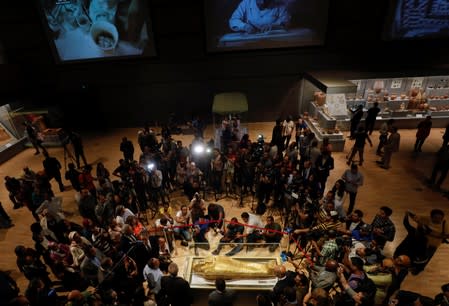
[(184, 78)]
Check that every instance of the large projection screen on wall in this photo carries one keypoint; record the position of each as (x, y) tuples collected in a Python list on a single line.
[(264, 24), (98, 29), (418, 19)]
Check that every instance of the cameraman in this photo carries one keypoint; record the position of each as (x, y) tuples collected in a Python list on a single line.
[(78, 147), (329, 250), (333, 223), (232, 233), (265, 187), (155, 184)]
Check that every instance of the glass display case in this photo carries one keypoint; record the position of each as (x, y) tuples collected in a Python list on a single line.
[(250, 269), (328, 97), (404, 97), (11, 136)]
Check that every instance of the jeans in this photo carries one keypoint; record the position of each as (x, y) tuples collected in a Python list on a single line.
[(352, 196), (184, 233)]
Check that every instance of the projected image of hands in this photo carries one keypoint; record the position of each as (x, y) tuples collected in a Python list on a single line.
[(90, 29), (260, 24)]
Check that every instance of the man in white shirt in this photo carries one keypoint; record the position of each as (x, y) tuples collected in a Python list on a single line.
[(252, 232), (182, 218)]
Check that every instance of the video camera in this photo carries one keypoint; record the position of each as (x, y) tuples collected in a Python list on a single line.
[(315, 235), (343, 241)]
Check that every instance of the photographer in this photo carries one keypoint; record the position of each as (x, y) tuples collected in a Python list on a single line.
[(265, 187), (436, 231), (192, 184), (331, 224), (361, 294), (197, 207), (252, 232), (232, 233), (200, 228), (272, 233), (217, 164), (155, 184), (329, 249), (78, 147), (216, 213), (244, 171), (325, 276), (165, 229), (182, 218)]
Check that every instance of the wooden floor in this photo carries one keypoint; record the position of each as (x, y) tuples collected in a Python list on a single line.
[(401, 188)]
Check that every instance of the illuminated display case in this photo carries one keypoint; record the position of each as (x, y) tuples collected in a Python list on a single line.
[(406, 99), (12, 139)]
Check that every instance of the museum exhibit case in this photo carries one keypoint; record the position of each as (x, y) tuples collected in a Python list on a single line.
[(328, 98), (12, 138), (322, 103), (250, 269)]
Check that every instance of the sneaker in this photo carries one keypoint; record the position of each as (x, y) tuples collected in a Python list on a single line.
[(215, 252), (184, 243)]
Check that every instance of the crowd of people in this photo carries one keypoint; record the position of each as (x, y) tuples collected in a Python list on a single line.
[(114, 258)]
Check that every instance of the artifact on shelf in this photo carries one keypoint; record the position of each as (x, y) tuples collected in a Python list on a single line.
[(414, 92), (393, 97), (402, 106), (411, 103), (378, 86), (403, 96), (320, 98)]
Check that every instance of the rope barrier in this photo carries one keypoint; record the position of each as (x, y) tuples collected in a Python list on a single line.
[(304, 253)]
